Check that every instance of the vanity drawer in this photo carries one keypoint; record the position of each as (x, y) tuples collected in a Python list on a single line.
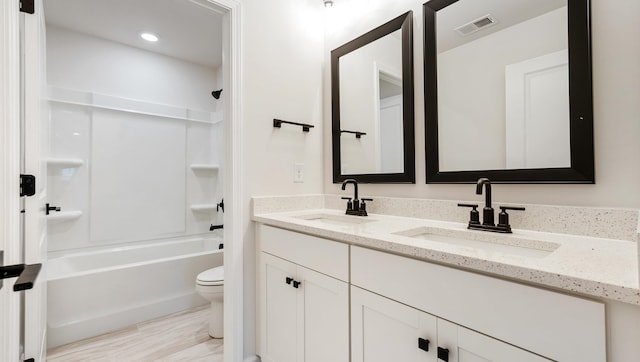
[(554, 325), (322, 255)]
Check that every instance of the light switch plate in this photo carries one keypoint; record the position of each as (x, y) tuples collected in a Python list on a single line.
[(298, 172)]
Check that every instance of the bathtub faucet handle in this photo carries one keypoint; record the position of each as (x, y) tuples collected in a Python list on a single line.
[(220, 206), (49, 208)]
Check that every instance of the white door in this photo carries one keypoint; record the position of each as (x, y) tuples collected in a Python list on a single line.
[(22, 234), (391, 135), (280, 339), (465, 345), (10, 250), (383, 330), (35, 149), (537, 112), (325, 316)]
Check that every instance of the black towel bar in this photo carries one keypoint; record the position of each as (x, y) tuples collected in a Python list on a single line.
[(305, 127)]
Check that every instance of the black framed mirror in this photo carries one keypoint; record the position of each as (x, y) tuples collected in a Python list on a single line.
[(372, 105), (508, 91)]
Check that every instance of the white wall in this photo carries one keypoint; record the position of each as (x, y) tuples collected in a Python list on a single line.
[(360, 101), (80, 62), (126, 152), (471, 95), (616, 70), (282, 65)]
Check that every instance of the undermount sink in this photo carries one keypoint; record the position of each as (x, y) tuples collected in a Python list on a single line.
[(484, 241), (337, 220)]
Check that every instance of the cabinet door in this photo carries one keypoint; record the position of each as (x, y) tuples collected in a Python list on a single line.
[(279, 317), (465, 345), (383, 330), (325, 305)]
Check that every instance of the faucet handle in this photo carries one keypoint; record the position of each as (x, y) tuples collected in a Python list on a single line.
[(503, 217), (363, 205), (515, 208), (474, 215), (349, 203)]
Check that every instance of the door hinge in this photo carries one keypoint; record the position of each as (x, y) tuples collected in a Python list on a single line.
[(27, 185), (27, 6)]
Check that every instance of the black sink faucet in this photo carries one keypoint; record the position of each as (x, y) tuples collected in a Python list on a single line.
[(354, 206), (355, 187), (487, 212)]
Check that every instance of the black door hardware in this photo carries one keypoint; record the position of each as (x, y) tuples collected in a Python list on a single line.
[(50, 208), (215, 227), (27, 185), (26, 274), (288, 280), (296, 284), (423, 344), (220, 206), (27, 6), (443, 354)]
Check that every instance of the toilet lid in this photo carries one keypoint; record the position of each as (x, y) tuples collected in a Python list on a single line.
[(212, 276)]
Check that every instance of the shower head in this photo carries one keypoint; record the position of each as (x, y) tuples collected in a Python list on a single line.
[(216, 94)]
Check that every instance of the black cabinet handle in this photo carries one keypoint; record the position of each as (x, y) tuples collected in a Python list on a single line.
[(443, 354), (296, 283), (423, 344), (288, 280)]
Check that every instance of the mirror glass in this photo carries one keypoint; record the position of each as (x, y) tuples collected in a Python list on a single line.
[(371, 108), (501, 96), (372, 94)]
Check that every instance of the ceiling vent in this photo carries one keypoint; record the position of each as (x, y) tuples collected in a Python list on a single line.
[(476, 25)]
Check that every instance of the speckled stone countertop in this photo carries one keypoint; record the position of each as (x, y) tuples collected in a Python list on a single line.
[(597, 267)]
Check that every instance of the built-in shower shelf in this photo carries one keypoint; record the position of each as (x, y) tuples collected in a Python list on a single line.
[(64, 216), (65, 162), (204, 167), (204, 207)]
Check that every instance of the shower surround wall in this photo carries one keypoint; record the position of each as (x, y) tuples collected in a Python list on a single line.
[(136, 147), (136, 144)]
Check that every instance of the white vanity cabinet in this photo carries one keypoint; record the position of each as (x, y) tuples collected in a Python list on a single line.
[(322, 300), (303, 298), (514, 322), (385, 330)]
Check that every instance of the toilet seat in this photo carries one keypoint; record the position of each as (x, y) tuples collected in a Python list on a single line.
[(214, 276)]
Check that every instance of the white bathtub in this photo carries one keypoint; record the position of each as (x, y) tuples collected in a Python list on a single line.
[(90, 293)]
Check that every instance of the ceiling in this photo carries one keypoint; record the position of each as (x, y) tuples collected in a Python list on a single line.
[(187, 29)]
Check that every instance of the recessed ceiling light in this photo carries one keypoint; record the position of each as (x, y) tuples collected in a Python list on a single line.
[(149, 37)]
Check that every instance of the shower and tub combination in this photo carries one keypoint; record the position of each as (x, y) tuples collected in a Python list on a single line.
[(138, 186)]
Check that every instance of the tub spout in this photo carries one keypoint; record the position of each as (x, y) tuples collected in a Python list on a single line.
[(214, 227)]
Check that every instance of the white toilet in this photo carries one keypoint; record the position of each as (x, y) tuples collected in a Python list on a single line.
[(210, 285)]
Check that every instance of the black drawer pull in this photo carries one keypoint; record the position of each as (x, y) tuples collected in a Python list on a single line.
[(443, 354), (288, 280), (296, 283), (423, 344)]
